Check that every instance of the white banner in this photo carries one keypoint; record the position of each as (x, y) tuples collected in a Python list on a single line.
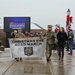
[(27, 47)]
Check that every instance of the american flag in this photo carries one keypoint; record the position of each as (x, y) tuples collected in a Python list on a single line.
[(68, 28)]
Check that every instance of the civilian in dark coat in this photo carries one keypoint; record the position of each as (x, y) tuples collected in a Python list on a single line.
[(70, 41), (62, 37), (13, 34)]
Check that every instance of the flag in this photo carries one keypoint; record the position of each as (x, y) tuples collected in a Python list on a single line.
[(68, 28)]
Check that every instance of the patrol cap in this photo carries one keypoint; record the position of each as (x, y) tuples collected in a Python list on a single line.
[(49, 26)]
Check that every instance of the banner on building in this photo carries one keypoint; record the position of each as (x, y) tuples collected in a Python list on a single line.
[(27, 47)]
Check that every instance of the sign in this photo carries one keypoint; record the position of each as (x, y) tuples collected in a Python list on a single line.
[(27, 47), (14, 23), (28, 51)]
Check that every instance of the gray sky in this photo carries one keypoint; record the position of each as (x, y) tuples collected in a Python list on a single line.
[(42, 12)]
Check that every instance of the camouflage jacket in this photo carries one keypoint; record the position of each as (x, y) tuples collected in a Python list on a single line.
[(19, 35), (51, 37)]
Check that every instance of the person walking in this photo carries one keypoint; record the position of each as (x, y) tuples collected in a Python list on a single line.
[(51, 40), (19, 35), (62, 38), (70, 41)]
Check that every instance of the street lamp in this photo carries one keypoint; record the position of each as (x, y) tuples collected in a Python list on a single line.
[(68, 21), (68, 12)]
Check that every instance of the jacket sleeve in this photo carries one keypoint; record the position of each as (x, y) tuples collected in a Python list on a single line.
[(66, 37), (55, 37), (58, 36)]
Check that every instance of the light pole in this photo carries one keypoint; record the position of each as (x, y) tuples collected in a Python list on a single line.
[(68, 12), (68, 21)]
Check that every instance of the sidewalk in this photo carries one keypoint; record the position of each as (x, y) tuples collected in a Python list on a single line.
[(36, 66)]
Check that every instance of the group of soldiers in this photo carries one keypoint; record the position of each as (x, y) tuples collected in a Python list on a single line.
[(51, 40)]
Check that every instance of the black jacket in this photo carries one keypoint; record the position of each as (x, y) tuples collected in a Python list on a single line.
[(12, 35), (62, 38)]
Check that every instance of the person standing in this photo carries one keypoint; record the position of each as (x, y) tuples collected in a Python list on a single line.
[(51, 40), (70, 41), (13, 34), (62, 38), (19, 35), (27, 35)]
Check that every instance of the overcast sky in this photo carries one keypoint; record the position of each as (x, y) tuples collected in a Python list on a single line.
[(42, 12)]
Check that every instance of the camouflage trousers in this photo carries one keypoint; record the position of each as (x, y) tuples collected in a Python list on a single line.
[(49, 50)]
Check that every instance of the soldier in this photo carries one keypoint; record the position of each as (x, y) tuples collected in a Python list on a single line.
[(19, 35), (51, 40)]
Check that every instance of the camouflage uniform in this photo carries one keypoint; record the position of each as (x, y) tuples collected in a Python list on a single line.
[(51, 40), (19, 35)]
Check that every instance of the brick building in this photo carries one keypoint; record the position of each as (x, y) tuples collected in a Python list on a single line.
[(3, 34)]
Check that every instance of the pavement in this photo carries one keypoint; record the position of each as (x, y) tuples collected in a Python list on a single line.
[(37, 66)]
